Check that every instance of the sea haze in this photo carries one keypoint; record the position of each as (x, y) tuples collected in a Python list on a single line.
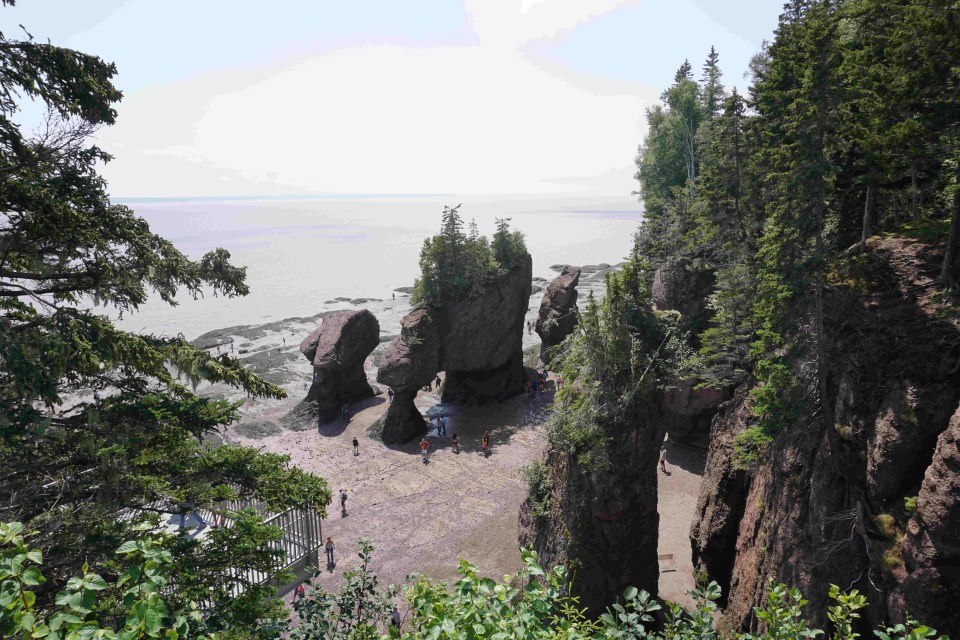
[(300, 254)]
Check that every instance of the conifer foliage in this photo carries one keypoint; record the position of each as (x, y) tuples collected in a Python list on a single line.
[(455, 266), (100, 427), (844, 133)]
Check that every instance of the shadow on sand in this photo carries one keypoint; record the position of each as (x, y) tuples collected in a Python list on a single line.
[(469, 422)]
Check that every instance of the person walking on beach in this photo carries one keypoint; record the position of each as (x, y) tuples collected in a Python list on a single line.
[(343, 501), (438, 382), (485, 443), (329, 546), (425, 448), (663, 459), (356, 447), (456, 442), (395, 617), (345, 412), (389, 394)]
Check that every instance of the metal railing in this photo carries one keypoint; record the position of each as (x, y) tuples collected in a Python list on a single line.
[(299, 544)]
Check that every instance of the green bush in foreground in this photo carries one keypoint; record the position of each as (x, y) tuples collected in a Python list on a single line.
[(534, 604)]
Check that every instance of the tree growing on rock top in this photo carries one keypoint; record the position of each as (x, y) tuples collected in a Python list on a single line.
[(455, 266)]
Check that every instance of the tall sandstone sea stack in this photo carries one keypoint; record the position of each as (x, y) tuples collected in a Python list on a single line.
[(558, 311), (337, 349), (477, 342)]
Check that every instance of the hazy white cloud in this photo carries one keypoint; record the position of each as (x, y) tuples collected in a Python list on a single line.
[(485, 113), (396, 120), (510, 24)]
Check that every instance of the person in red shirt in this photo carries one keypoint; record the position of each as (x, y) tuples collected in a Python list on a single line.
[(425, 449)]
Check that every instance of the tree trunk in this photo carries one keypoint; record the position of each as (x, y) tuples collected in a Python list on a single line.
[(867, 230), (914, 194), (947, 275)]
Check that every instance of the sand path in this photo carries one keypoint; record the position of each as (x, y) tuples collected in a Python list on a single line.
[(677, 492), (423, 518)]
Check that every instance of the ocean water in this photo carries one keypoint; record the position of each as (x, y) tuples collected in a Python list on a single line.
[(302, 254)]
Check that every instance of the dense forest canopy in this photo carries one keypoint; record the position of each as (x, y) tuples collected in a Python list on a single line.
[(849, 129)]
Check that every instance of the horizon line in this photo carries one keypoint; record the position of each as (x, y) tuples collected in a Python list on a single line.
[(289, 196)]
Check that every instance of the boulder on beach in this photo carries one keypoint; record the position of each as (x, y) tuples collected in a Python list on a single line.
[(337, 349), (477, 342), (558, 311)]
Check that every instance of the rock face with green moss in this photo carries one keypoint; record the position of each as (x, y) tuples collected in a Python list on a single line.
[(838, 503), (931, 550), (476, 341), (602, 520), (558, 311), (337, 349)]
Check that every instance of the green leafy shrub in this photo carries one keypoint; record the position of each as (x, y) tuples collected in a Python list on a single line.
[(87, 607), (540, 488), (535, 604)]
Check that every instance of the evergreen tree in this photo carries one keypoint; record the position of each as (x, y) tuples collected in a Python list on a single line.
[(73, 464), (796, 102), (454, 266), (712, 88)]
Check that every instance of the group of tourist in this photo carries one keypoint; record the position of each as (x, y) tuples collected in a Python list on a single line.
[(454, 440), (539, 384)]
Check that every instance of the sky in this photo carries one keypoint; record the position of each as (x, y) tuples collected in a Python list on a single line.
[(243, 98)]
